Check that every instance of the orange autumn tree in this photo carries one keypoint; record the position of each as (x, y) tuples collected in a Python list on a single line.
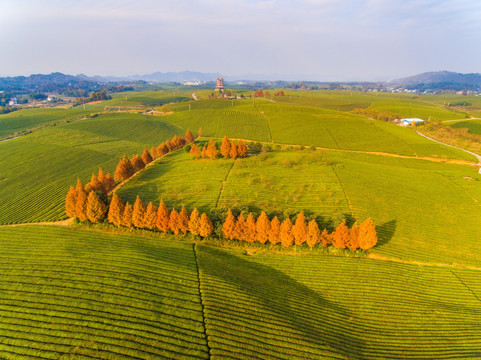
[(194, 222), (146, 157), (150, 216), (225, 147), (285, 233), (353, 243), (81, 205), (70, 202), (205, 226), (233, 151), (239, 229), (241, 149), (116, 210), (341, 236), (263, 226), (137, 163), (174, 222), (138, 213), (96, 208), (326, 238), (274, 231), (250, 229), (163, 217), (299, 230), (367, 235), (194, 150), (124, 169), (127, 216), (204, 152), (313, 234), (153, 152), (211, 151), (188, 136), (229, 226), (184, 220)]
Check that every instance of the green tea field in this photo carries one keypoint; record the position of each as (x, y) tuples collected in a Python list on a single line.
[(73, 290)]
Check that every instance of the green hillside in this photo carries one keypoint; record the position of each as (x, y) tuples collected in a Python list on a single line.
[(417, 205), (37, 169), (71, 293)]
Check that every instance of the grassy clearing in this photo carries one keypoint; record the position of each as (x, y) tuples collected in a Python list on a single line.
[(332, 129), (218, 118), (423, 210), (69, 293), (22, 120), (418, 206), (283, 183), (291, 307), (37, 169), (474, 126)]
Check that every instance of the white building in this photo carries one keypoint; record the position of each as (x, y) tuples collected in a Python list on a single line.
[(13, 101), (411, 121)]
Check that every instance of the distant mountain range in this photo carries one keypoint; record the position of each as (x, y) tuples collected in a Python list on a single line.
[(443, 80), (439, 80)]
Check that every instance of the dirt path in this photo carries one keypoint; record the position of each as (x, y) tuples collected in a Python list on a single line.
[(452, 146), (420, 263), (427, 158), (66, 222), (468, 119)]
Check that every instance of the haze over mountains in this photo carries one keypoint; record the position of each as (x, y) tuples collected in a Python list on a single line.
[(430, 80)]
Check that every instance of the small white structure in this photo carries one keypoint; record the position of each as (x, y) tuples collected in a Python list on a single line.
[(411, 121), (12, 101)]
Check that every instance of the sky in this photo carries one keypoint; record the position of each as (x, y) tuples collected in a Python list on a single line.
[(323, 40)]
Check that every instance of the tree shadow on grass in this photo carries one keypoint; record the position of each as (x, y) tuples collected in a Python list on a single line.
[(321, 322), (386, 232)]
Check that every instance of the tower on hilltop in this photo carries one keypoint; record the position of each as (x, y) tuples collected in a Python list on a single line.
[(219, 84)]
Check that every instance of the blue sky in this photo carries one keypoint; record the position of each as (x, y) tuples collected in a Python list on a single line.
[(325, 40)]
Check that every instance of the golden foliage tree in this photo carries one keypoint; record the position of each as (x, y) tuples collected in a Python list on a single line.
[(326, 238), (274, 231), (205, 226), (285, 233), (211, 149), (153, 152), (200, 132), (263, 225), (225, 147), (188, 136), (367, 235), (163, 217), (233, 150), (161, 150), (150, 216), (70, 202), (109, 183), (184, 220), (96, 208), (137, 163), (194, 222), (127, 216), (341, 236), (299, 230), (116, 210), (353, 243), (204, 152), (138, 213), (239, 230), (314, 235), (229, 226), (194, 150), (146, 157), (124, 169), (250, 228), (174, 221), (241, 149), (81, 205)]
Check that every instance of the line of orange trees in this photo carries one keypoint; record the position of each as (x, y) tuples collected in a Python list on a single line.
[(287, 234), (228, 149), (128, 167)]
